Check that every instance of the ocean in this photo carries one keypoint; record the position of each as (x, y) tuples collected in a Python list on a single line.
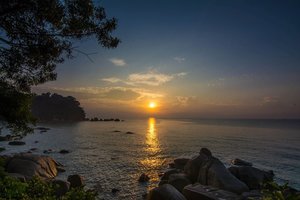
[(109, 158)]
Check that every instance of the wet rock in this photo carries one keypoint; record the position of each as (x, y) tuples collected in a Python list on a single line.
[(206, 152), (76, 181), (144, 178), (129, 132), (199, 192), (60, 169), (36, 141), (2, 149), (33, 149), (32, 165), (251, 176), (16, 142), (240, 162), (115, 190), (165, 192), (116, 131), (64, 151), (61, 187), (179, 181), (180, 163)]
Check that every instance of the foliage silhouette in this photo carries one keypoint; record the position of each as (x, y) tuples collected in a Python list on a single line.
[(54, 107), (35, 36)]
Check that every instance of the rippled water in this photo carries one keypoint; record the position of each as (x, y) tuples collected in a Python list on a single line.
[(110, 159)]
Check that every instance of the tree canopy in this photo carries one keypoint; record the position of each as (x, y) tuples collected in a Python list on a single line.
[(35, 36), (54, 107)]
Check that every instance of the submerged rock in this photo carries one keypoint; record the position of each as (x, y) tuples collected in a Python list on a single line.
[(32, 165), (129, 132), (16, 142), (165, 192), (64, 151)]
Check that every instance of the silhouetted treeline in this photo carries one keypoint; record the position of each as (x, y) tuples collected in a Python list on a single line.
[(54, 107)]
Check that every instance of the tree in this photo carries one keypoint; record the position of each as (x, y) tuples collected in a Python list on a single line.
[(54, 107), (35, 36)]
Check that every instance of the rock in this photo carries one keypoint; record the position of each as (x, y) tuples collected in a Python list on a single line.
[(61, 187), (168, 172), (16, 142), (115, 190), (192, 167), (144, 178), (33, 149), (201, 192), (76, 181), (36, 141), (179, 181), (214, 173), (172, 165), (116, 131), (20, 177), (165, 192), (251, 176), (32, 165), (2, 149), (208, 170), (253, 195), (64, 151), (60, 169), (240, 162), (129, 132), (180, 163)]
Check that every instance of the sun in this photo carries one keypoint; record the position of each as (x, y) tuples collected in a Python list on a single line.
[(152, 105)]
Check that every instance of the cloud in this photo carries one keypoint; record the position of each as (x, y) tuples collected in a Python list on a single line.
[(112, 80), (117, 61), (150, 78), (179, 59)]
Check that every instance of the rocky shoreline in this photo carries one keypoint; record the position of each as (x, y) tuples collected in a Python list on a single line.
[(204, 177)]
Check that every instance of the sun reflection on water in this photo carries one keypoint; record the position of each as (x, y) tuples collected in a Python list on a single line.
[(153, 161)]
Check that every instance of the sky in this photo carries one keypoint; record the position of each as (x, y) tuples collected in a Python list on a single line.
[(192, 58)]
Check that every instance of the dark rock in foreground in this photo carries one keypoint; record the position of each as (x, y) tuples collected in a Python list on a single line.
[(179, 181), (30, 165), (62, 187), (252, 176), (208, 170), (76, 181), (180, 162), (16, 142), (165, 192), (201, 192)]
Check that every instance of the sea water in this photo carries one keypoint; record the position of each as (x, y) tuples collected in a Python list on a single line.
[(109, 158)]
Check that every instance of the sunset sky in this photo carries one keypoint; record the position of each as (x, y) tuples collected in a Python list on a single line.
[(206, 59)]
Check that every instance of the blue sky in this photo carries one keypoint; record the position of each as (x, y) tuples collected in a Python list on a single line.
[(207, 59)]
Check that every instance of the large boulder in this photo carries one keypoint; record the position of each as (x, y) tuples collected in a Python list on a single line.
[(30, 165), (201, 192), (251, 176), (193, 166), (61, 187), (215, 174), (165, 192), (179, 181), (208, 170)]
